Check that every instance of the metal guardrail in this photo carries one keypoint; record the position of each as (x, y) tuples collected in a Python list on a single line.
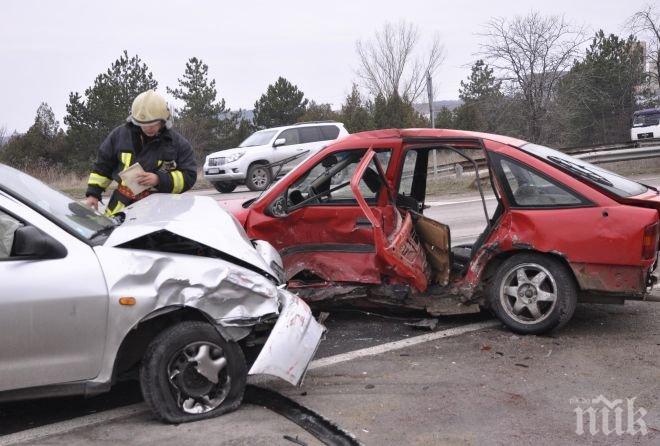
[(618, 155), (597, 155)]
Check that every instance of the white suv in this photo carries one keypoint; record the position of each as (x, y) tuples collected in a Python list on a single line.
[(248, 163)]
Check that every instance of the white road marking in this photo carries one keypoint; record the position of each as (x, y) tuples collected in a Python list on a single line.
[(397, 345), (76, 423), (140, 408)]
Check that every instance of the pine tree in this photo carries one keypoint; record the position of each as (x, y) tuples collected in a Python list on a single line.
[(105, 105), (481, 95), (355, 112), (197, 92), (598, 96), (282, 104), (318, 112), (200, 119), (41, 146)]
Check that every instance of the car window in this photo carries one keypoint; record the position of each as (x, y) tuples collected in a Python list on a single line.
[(614, 183), (329, 132), (405, 186), (64, 211), (8, 226), (309, 134), (290, 136), (328, 181), (529, 189)]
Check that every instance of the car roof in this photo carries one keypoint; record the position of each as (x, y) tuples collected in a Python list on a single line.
[(302, 124), (431, 133)]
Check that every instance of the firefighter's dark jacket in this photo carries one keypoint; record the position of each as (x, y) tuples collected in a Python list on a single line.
[(169, 155)]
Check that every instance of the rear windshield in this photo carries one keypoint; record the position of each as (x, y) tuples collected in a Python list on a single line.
[(618, 185)]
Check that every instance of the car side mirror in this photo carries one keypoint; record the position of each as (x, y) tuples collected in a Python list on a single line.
[(279, 142), (29, 242)]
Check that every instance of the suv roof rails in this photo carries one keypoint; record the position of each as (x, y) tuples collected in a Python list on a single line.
[(318, 122)]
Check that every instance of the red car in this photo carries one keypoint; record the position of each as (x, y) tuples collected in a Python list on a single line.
[(349, 224)]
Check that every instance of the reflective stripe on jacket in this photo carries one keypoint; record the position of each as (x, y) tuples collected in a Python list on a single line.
[(169, 155)]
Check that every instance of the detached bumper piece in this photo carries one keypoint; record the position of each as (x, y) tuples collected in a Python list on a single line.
[(292, 342)]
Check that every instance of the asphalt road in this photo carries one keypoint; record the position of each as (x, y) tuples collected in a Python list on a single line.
[(487, 387)]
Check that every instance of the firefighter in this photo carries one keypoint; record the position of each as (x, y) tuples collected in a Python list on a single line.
[(146, 138)]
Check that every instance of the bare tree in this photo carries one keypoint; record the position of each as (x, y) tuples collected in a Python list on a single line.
[(532, 52), (390, 64), (3, 135), (646, 24)]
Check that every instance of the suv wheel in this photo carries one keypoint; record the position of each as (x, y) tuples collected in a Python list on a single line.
[(258, 177), (533, 294), (224, 187), (189, 372)]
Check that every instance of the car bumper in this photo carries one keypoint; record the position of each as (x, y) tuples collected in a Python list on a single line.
[(292, 343), (637, 134), (226, 174)]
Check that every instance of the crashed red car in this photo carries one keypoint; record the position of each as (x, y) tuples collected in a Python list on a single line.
[(349, 224)]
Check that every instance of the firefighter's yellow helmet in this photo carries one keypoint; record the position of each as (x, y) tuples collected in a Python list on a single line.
[(150, 107)]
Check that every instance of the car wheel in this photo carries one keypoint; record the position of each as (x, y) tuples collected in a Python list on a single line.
[(258, 177), (224, 187), (189, 372), (533, 294)]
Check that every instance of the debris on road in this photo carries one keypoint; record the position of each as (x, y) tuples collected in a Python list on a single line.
[(424, 324)]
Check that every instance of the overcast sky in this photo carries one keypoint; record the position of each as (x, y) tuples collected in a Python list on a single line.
[(50, 48)]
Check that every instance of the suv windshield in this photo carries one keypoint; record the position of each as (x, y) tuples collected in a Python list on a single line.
[(618, 185), (63, 210), (258, 138)]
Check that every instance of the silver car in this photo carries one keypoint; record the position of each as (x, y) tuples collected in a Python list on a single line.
[(176, 290)]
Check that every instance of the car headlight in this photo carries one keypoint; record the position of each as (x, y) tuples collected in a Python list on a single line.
[(234, 157)]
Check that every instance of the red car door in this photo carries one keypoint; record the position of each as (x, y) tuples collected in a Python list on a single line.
[(399, 252), (323, 235)]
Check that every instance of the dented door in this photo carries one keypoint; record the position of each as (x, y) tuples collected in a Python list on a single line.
[(398, 250)]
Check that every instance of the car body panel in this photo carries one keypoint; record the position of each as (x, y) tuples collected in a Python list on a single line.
[(38, 295), (292, 342), (193, 217), (231, 297)]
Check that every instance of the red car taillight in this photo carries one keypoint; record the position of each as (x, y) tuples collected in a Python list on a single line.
[(650, 241)]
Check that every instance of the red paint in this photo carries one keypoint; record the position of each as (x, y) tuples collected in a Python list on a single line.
[(602, 243)]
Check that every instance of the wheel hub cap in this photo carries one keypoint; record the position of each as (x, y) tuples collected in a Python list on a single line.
[(528, 293)]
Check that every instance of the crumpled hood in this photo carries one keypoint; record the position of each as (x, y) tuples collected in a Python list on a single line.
[(193, 217)]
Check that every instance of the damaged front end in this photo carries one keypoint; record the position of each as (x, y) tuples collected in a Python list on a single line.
[(234, 284)]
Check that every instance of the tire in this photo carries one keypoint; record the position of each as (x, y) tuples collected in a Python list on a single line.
[(224, 187), (533, 294), (172, 352), (258, 177)]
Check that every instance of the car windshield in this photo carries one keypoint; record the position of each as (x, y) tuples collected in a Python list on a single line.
[(614, 183), (258, 138), (58, 207)]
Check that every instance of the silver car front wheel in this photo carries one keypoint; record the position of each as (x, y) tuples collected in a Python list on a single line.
[(189, 372)]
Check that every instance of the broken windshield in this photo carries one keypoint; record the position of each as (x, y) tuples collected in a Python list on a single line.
[(614, 183)]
